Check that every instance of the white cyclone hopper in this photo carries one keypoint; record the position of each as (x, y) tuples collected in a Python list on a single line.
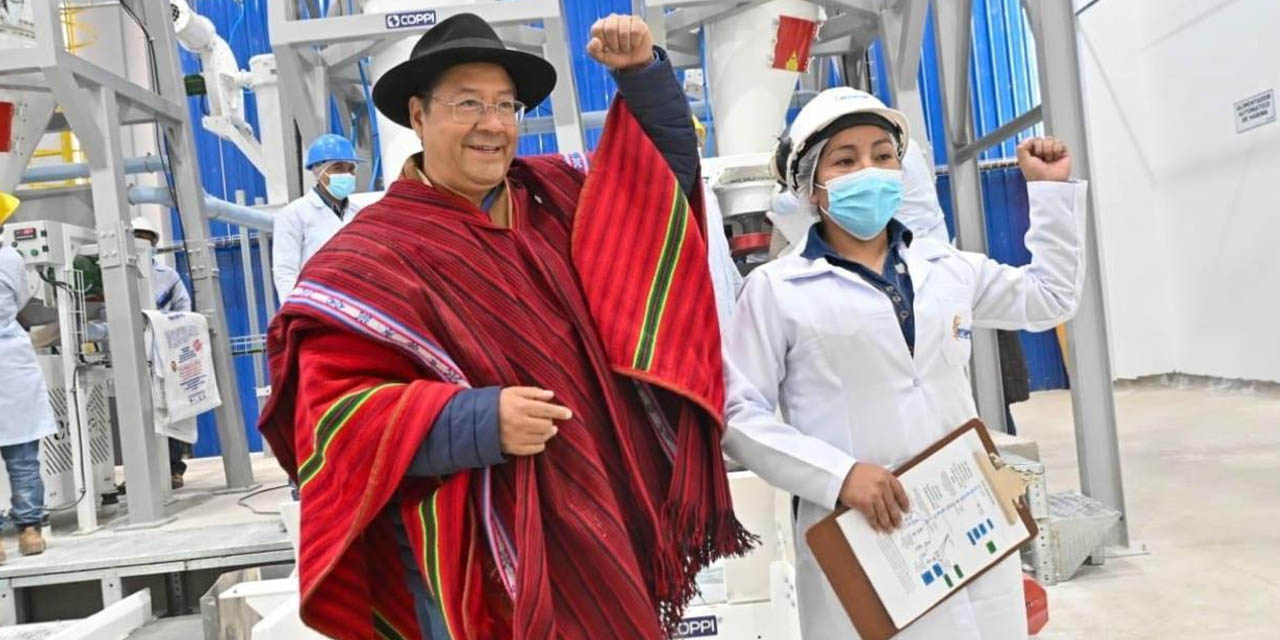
[(749, 100), (397, 142)]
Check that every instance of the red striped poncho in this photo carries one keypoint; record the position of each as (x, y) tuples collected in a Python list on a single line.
[(599, 291)]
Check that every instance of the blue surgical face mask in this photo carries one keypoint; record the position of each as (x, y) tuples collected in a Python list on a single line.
[(341, 185), (864, 201)]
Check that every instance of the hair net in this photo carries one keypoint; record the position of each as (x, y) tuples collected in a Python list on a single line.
[(806, 169)]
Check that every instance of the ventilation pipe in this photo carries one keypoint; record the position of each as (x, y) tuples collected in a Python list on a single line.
[(216, 208)]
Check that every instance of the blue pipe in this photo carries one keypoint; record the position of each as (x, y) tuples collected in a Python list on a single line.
[(217, 208), (56, 172)]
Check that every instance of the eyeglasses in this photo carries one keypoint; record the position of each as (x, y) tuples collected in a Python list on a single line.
[(470, 110)]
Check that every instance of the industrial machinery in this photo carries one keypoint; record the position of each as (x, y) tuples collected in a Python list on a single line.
[(78, 461)]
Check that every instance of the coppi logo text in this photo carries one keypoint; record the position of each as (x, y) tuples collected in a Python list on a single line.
[(410, 19)]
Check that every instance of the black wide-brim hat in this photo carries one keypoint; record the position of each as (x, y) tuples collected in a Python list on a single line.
[(460, 39)]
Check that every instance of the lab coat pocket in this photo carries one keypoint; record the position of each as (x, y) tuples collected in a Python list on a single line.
[(957, 333)]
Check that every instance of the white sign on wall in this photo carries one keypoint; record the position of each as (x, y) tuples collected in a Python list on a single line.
[(1256, 111)]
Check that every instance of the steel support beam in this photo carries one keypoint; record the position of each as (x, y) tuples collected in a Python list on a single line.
[(685, 19), (685, 42), (77, 105), (953, 20), (286, 30), (847, 23), (303, 89), (121, 274), (564, 97), (1006, 131), (655, 16), (127, 91), (903, 29), (344, 55), (204, 272), (523, 37), (1088, 363), (841, 46)]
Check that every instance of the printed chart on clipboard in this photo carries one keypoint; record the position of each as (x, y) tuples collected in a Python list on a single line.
[(954, 529)]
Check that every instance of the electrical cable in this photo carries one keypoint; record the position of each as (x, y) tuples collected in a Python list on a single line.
[(239, 20), (251, 494)]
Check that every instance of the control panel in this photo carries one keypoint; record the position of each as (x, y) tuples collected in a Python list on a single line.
[(41, 242)]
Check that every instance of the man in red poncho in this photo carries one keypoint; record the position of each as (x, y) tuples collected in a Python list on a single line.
[(499, 389)]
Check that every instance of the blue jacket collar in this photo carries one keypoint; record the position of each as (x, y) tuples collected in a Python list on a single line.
[(816, 247)]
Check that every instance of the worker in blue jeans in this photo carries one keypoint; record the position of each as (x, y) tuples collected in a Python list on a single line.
[(25, 413), (26, 487)]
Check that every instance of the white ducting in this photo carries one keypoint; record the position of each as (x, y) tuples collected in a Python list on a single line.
[(749, 101), (224, 81), (749, 98), (396, 142)]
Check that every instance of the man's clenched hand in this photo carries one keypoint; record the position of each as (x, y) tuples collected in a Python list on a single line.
[(621, 43)]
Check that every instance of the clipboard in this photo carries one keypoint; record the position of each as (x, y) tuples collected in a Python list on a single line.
[(848, 578)]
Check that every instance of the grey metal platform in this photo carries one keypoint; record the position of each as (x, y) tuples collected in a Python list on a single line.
[(208, 531)]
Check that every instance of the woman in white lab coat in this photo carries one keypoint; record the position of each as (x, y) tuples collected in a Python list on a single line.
[(861, 338), (25, 413)]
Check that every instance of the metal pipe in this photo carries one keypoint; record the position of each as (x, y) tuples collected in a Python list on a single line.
[(56, 172), (217, 208)]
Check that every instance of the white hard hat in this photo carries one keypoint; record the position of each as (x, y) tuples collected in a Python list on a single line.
[(821, 112), (144, 224)]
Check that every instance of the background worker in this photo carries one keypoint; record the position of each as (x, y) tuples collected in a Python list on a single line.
[(170, 295), (25, 413), (307, 223)]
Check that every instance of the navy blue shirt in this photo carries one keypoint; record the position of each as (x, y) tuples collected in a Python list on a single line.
[(894, 283)]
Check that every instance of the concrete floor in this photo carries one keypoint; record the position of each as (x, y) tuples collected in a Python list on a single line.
[(1202, 482)]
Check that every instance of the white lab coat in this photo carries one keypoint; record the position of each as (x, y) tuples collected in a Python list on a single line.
[(300, 229), (825, 347), (726, 280), (25, 412)]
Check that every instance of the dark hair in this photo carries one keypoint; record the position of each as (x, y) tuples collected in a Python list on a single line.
[(424, 94), (783, 151)]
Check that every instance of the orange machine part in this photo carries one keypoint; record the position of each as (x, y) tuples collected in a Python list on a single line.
[(1037, 604)]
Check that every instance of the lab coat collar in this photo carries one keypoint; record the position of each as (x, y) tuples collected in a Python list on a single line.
[(816, 247), (920, 256), (315, 200)]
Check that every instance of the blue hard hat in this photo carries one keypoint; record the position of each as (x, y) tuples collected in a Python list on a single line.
[(330, 148)]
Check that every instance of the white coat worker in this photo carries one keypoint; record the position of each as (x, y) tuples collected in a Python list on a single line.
[(862, 336), (25, 413), (307, 223), (170, 295)]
